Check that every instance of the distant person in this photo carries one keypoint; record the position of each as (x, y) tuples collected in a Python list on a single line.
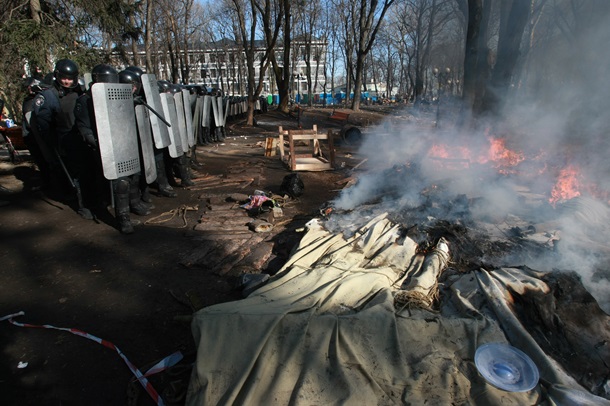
[(33, 86), (3, 111)]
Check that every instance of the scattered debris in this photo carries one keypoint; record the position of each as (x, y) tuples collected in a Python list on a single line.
[(260, 226), (292, 185)]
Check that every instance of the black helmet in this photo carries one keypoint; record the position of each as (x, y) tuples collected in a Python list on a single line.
[(164, 86), (127, 76), (66, 69), (48, 79), (138, 71), (104, 74), (173, 89)]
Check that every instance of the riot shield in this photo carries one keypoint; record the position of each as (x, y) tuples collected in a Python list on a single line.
[(188, 116), (205, 114), (221, 116), (227, 102), (159, 129), (179, 102), (215, 111), (146, 143), (169, 112), (116, 129), (196, 122), (88, 79)]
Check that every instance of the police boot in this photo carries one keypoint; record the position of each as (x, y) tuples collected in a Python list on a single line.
[(193, 161), (203, 138), (82, 210), (185, 172), (121, 206), (146, 197), (165, 188), (220, 134), (207, 133), (136, 205)]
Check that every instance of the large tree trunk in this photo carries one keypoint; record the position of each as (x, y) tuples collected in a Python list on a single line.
[(474, 14), (283, 74), (134, 42), (514, 18), (358, 81), (148, 39), (476, 58)]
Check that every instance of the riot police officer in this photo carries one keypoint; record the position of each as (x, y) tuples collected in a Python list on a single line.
[(133, 75), (180, 165), (124, 202), (33, 86), (138, 190), (53, 116)]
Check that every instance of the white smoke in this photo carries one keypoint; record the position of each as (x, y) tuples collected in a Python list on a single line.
[(562, 120)]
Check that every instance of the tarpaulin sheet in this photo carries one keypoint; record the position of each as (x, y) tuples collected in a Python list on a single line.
[(325, 330)]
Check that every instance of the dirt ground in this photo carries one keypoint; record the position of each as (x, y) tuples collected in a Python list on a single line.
[(137, 291)]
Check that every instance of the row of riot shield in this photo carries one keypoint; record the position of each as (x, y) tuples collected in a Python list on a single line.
[(209, 118), (128, 131), (210, 114), (238, 105)]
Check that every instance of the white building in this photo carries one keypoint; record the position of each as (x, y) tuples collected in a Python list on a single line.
[(222, 65)]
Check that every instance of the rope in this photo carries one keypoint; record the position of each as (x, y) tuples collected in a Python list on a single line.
[(169, 215)]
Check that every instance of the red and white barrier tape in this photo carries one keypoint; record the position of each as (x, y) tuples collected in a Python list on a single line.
[(160, 366), (165, 363)]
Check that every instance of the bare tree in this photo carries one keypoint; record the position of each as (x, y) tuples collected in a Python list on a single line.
[(345, 11), (367, 22), (248, 15), (308, 16), (331, 38), (148, 38), (403, 40), (283, 72)]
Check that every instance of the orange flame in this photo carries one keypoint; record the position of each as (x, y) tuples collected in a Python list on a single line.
[(503, 156), (496, 152), (567, 186), (570, 181)]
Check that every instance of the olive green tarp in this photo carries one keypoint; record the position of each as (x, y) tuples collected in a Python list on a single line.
[(328, 329)]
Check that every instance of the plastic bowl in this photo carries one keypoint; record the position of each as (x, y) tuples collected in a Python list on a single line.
[(506, 367)]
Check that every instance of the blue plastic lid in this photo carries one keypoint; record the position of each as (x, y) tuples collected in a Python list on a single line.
[(506, 367)]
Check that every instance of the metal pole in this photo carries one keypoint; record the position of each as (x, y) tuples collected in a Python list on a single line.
[(139, 100)]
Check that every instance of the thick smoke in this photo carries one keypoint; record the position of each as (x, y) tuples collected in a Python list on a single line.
[(556, 118)]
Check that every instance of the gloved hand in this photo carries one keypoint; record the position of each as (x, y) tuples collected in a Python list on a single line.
[(91, 141)]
